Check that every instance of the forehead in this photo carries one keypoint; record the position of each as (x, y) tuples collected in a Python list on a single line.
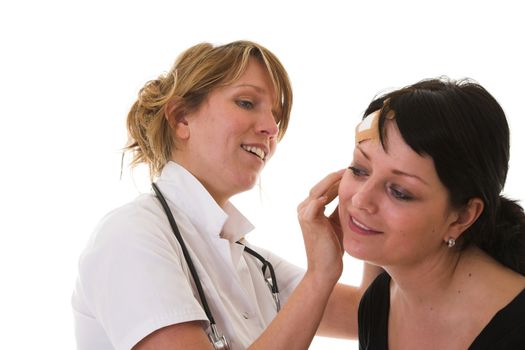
[(256, 75), (254, 79), (397, 154), (395, 148)]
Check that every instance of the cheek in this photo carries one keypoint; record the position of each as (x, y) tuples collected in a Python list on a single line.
[(416, 230)]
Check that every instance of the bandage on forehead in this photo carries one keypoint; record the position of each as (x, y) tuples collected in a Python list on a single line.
[(368, 129)]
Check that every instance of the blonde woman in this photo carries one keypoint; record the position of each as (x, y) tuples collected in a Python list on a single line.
[(206, 129)]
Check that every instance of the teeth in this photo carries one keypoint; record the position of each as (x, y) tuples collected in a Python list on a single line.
[(255, 150), (360, 224)]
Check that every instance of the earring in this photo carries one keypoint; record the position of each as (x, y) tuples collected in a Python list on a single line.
[(451, 242)]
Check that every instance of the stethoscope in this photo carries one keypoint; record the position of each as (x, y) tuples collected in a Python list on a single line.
[(218, 341)]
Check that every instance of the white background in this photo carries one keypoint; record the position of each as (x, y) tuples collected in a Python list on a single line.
[(70, 70)]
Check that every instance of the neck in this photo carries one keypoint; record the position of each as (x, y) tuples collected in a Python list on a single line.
[(427, 282), (219, 197)]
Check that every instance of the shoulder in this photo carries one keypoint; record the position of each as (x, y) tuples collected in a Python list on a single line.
[(141, 216), (506, 329), (373, 313), (133, 230), (377, 296), (376, 299), (141, 209), (378, 288), (133, 266)]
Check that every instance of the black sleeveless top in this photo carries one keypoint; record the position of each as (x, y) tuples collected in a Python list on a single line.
[(506, 330)]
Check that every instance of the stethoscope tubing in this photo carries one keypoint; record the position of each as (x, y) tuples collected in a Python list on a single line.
[(266, 264), (185, 252)]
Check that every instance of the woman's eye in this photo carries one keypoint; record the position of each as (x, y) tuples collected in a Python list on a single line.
[(245, 104), (357, 171), (399, 194)]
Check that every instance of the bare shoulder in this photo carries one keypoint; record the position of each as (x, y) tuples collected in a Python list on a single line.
[(488, 285)]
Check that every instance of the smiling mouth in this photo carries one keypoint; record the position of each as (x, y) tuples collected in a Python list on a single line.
[(259, 152), (361, 228)]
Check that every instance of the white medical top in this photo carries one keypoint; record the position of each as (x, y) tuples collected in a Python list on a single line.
[(133, 278)]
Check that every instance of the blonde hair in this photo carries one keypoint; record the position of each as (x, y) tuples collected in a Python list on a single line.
[(196, 72)]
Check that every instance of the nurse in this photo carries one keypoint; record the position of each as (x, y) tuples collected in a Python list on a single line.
[(206, 129)]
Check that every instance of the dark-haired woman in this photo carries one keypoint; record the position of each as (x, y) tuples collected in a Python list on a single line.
[(421, 199)]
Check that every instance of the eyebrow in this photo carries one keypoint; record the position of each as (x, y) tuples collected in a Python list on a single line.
[(261, 91), (395, 171), (255, 87), (363, 152)]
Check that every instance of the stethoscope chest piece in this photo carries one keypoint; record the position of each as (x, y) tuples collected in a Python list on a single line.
[(218, 341)]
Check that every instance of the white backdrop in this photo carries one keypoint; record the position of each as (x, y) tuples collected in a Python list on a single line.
[(69, 71)]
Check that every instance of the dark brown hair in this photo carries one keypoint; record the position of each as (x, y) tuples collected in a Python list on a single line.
[(464, 129)]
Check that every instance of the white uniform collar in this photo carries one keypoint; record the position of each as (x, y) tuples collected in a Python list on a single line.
[(181, 188)]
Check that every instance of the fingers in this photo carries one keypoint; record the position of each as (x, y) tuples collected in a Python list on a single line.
[(326, 185), (311, 208), (332, 191), (320, 195)]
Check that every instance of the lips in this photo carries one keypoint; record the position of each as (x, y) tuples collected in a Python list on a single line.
[(257, 150), (360, 228)]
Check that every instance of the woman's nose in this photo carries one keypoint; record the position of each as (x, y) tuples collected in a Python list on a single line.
[(267, 124), (364, 197)]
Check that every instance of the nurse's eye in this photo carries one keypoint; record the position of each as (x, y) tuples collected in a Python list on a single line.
[(245, 104), (400, 194), (358, 172)]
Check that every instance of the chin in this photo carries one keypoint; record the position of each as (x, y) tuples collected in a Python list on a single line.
[(250, 185), (246, 185), (355, 248), (249, 181)]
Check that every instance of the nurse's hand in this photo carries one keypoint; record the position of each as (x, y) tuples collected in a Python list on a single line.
[(322, 235)]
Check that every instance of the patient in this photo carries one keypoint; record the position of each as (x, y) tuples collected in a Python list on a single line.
[(422, 199)]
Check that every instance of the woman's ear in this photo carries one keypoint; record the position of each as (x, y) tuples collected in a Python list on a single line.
[(174, 114), (466, 217)]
